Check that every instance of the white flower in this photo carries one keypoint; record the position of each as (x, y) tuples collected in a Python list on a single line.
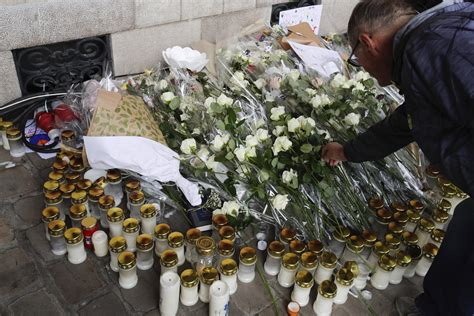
[(260, 83), (269, 97), (251, 141), (209, 101), (279, 130), (196, 131), (352, 119), (243, 170), (231, 208), (188, 146), (293, 125), (264, 175), (211, 164), (203, 153), (238, 79), (162, 84), (224, 100), (349, 83), (275, 83), (282, 143), (184, 117), (262, 135), (294, 74), (239, 152), (307, 123), (220, 141), (311, 92), (167, 97), (362, 76), (338, 81), (259, 123), (325, 132), (250, 152), (358, 87), (319, 101), (277, 112), (288, 176), (280, 201)]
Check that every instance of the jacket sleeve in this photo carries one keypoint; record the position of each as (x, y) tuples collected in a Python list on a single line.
[(382, 139)]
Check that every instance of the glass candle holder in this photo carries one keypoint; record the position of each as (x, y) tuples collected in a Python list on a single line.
[(408, 239), (95, 193), (369, 239), (297, 246), (161, 238), (395, 229), (323, 304), (189, 288), (375, 203), (205, 247), (106, 202), (132, 185), (398, 206), (303, 283), (54, 199), (327, 264), (76, 253), (68, 138), (247, 261), (84, 184), (401, 218), (130, 229), (176, 242), (309, 262), (148, 218), (287, 234), (48, 215), (338, 242), (403, 260), (383, 218), (56, 229), (393, 242), (227, 232), (77, 213), (66, 190), (100, 242), (415, 253), (60, 166), (114, 185), (380, 248), (117, 245), (425, 227), (429, 253), (437, 237), (89, 226), (275, 252), (192, 236), (360, 271), (136, 200), (72, 177), (353, 250), (226, 250), (208, 276), (51, 186), (218, 221), (169, 261), (440, 218), (315, 246), (344, 281), (289, 266), (381, 278), (228, 270), (80, 198), (416, 205), (115, 218), (413, 219), (76, 165), (145, 258), (4, 126), (128, 278), (17, 149)]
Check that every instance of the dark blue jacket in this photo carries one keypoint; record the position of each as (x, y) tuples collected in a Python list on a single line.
[(434, 68)]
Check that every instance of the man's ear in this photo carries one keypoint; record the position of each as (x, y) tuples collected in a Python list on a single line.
[(369, 43)]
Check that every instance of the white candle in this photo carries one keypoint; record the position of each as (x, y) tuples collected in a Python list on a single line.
[(136, 200), (309, 262), (273, 261), (148, 218), (303, 284), (162, 232), (115, 217), (360, 282), (381, 278), (130, 230), (127, 270), (228, 269), (323, 304), (117, 245), (247, 260), (288, 268), (106, 202), (344, 281), (423, 266), (208, 276), (56, 231), (169, 293), (219, 293), (76, 253), (100, 242), (48, 215), (145, 258), (169, 261), (176, 243), (403, 261), (326, 267), (189, 288)]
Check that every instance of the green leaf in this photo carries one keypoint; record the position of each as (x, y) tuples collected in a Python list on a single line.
[(220, 125), (174, 104), (306, 148), (274, 162), (229, 156)]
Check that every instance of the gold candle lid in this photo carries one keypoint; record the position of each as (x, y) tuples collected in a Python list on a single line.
[(115, 214), (56, 227), (401, 218), (380, 248), (375, 203), (60, 166), (132, 185), (192, 235), (440, 216), (417, 205), (430, 250), (219, 220), (369, 238), (341, 233), (50, 186), (79, 197), (328, 260), (130, 225), (387, 262), (67, 189), (384, 215), (136, 197), (13, 133), (78, 211), (297, 246), (344, 277), (209, 275), (276, 249), (353, 267), (426, 225), (72, 177), (290, 261), (248, 255), (398, 206), (315, 246), (175, 240), (413, 217), (53, 197), (304, 279), (432, 171), (147, 211), (309, 260), (205, 245), (76, 164), (73, 235), (228, 267), (287, 234), (50, 214), (403, 258), (443, 182), (461, 194), (101, 182), (327, 289), (114, 176), (189, 278), (444, 205), (6, 125), (395, 228), (415, 252), (225, 247), (67, 134), (162, 231), (409, 238), (392, 241), (84, 184), (126, 260), (145, 242), (437, 235), (106, 202), (56, 176), (227, 232), (118, 244), (169, 258), (355, 244), (89, 222)]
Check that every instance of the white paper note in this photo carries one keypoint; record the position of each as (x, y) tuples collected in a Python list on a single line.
[(324, 61), (311, 14)]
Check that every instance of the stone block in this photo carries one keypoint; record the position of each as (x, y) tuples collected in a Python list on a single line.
[(232, 5), (18, 273), (227, 26), (155, 12), (40, 244), (192, 9), (41, 23), (200, 309), (279, 305), (16, 182), (335, 15), (28, 211), (108, 304), (39, 301), (40, 163), (76, 282), (251, 298), (7, 235), (133, 51), (266, 3), (10, 88), (145, 295)]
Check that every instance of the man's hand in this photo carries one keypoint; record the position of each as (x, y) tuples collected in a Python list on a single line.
[(333, 153)]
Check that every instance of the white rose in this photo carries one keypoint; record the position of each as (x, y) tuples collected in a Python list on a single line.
[(260, 83), (209, 101), (294, 74), (167, 97), (293, 125), (184, 117), (282, 143), (203, 153), (277, 112), (188, 146), (264, 175), (279, 130), (219, 142), (196, 131), (211, 164), (338, 81), (262, 135), (311, 92), (352, 119), (225, 100), (358, 87), (362, 76), (231, 208), (240, 152), (288, 176), (163, 84), (250, 152), (280, 201), (349, 83), (251, 141), (259, 123), (325, 132)]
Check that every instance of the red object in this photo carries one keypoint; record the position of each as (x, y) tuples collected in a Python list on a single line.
[(89, 231), (64, 113), (45, 121)]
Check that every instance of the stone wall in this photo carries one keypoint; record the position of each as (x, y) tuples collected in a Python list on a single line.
[(139, 29)]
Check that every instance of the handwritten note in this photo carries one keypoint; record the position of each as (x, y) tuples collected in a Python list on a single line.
[(311, 14), (324, 61)]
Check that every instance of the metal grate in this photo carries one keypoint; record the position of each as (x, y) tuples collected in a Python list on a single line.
[(60, 65)]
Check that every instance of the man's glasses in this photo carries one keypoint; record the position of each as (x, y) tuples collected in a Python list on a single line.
[(353, 60)]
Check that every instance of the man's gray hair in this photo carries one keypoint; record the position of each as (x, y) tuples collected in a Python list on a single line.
[(371, 15)]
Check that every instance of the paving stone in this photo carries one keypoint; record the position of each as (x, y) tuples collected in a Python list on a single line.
[(252, 297), (108, 304), (200, 309), (279, 308), (16, 181), (39, 301), (145, 295), (7, 235), (18, 274), (76, 282), (40, 163), (28, 211), (37, 238)]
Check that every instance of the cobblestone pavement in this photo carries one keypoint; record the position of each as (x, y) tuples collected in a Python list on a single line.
[(35, 282)]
